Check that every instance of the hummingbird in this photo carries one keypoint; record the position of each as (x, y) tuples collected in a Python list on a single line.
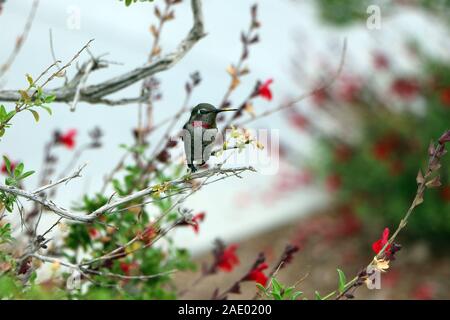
[(199, 134)]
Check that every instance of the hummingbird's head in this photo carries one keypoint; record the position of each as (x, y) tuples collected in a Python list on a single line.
[(206, 113)]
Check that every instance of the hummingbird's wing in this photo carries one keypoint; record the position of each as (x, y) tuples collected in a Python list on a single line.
[(184, 129), (209, 138), (198, 143), (186, 137)]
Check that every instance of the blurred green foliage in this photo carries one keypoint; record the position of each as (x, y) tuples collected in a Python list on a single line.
[(377, 176), (96, 239), (339, 12)]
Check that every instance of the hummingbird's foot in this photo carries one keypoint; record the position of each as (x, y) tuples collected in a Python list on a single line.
[(192, 167)]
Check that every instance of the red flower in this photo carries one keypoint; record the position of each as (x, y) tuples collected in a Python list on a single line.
[(380, 61), (384, 147), (342, 153), (12, 167), (298, 120), (93, 233), (405, 88), (228, 259), (67, 139), (423, 292), (391, 278), (379, 244), (381, 151), (127, 268), (319, 97), (257, 274), (264, 90), (196, 219), (445, 97), (396, 167), (333, 182), (351, 88), (348, 224), (148, 234), (445, 193)]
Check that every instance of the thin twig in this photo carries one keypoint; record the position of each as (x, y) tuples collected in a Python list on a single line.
[(76, 174), (303, 96), (20, 39)]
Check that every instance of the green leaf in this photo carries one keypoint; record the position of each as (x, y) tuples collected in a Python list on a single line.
[(261, 287), (30, 80), (7, 164), (35, 114), (18, 170), (24, 95), (10, 181), (26, 174), (10, 115), (296, 295), (318, 296), (277, 287), (128, 2), (342, 280), (277, 296), (2, 112), (50, 98), (46, 108), (288, 292), (5, 233)]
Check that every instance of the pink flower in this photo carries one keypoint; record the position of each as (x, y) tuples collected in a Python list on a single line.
[(298, 120), (405, 88), (320, 96), (264, 90), (350, 89), (380, 61)]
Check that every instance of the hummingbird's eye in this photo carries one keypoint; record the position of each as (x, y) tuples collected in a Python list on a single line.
[(203, 111)]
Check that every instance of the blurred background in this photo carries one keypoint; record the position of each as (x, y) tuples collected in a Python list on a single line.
[(348, 155)]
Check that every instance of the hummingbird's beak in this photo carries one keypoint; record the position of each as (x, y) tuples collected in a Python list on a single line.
[(223, 110)]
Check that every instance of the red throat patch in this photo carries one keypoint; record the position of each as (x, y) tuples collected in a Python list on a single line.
[(198, 124)]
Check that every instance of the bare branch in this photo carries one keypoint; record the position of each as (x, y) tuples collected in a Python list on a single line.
[(81, 84), (96, 272), (76, 174), (107, 207), (96, 93)]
